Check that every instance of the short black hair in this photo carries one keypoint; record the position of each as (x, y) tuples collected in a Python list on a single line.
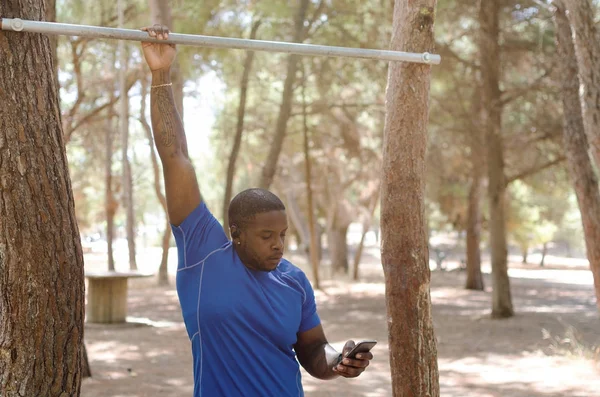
[(245, 205)]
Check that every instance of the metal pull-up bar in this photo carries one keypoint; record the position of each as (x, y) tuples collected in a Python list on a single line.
[(99, 32)]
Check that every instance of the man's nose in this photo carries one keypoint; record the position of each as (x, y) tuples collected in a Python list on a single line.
[(278, 246)]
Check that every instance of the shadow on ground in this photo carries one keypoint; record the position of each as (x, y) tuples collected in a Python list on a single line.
[(547, 349)]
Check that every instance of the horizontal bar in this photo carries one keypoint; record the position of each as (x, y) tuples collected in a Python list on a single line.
[(99, 32)]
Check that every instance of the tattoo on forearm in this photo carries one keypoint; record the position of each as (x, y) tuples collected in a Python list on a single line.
[(165, 107)]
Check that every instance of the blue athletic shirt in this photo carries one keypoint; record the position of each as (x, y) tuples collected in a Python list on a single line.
[(242, 323)]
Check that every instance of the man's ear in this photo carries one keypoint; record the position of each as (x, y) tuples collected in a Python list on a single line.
[(235, 231)]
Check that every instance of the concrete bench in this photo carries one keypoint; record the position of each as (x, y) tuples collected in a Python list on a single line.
[(107, 295)]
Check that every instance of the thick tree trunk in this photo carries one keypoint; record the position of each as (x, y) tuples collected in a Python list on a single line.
[(124, 121), (270, 166), (492, 124), (580, 166), (237, 140), (587, 51), (524, 254), (163, 271), (110, 202), (51, 17), (41, 262), (404, 253)]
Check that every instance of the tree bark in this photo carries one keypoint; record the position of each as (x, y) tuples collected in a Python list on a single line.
[(41, 261), (338, 247), (489, 16), (237, 140), (474, 275), (404, 252), (581, 170), (270, 166), (51, 17), (587, 52), (124, 121)]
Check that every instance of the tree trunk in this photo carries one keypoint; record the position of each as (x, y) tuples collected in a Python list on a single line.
[(492, 124), (270, 166), (41, 261), (474, 275), (338, 248), (544, 252), (160, 12), (404, 252), (524, 254), (124, 121), (110, 202), (313, 246), (587, 52), (366, 226), (51, 17), (297, 218), (580, 166), (237, 140)]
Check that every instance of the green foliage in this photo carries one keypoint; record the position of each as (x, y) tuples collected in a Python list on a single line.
[(529, 221), (345, 101)]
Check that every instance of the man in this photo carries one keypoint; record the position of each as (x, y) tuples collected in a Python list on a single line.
[(248, 312)]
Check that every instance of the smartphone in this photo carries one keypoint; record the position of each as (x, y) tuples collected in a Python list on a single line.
[(363, 346)]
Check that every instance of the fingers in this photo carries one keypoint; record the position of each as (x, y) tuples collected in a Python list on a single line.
[(347, 347), (157, 31), (348, 362), (352, 367), (349, 371), (365, 356)]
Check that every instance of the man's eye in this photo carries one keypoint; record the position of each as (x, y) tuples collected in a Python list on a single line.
[(266, 237), (283, 235)]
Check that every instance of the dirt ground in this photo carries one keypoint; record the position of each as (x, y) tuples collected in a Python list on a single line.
[(550, 348)]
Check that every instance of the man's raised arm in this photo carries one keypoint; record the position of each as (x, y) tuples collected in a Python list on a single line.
[(181, 185)]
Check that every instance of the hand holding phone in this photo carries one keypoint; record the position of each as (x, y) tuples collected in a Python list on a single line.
[(363, 346), (348, 370)]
